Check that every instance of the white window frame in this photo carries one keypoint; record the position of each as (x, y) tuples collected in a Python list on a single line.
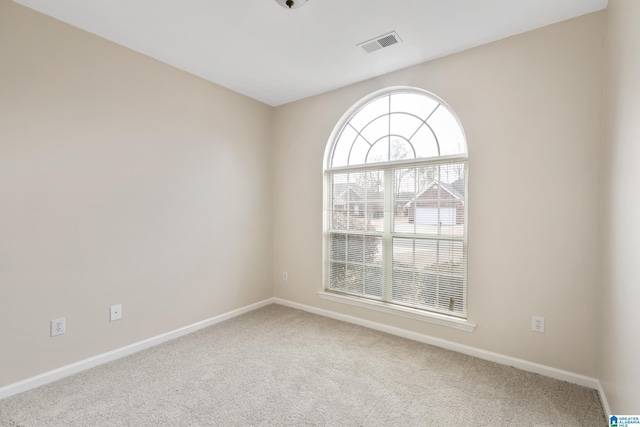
[(384, 305)]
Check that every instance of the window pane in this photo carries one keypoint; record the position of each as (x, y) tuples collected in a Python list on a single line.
[(425, 143), (369, 112), (450, 295), (410, 192), (359, 151), (413, 102), (356, 264), (404, 184), (429, 273), (340, 202), (358, 201), (338, 247), (430, 199), (375, 200), (373, 250), (373, 282), (354, 282), (355, 249), (347, 278), (376, 129), (426, 254), (425, 209), (453, 178), (348, 203), (403, 252), (379, 152), (405, 288), (400, 149), (448, 130), (343, 146), (337, 276), (451, 257), (405, 125)]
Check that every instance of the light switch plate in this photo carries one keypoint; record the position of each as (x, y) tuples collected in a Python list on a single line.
[(115, 312)]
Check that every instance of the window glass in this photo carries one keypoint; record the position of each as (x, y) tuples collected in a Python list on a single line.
[(396, 229)]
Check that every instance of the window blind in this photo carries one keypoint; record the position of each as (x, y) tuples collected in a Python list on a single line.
[(396, 204), (401, 240)]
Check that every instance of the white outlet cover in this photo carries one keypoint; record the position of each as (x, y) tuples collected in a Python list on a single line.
[(58, 326), (115, 312), (537, 324)]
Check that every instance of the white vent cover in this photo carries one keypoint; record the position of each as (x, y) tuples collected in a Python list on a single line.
[(379, 42)]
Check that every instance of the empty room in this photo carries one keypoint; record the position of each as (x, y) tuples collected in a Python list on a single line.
[(318, 212)]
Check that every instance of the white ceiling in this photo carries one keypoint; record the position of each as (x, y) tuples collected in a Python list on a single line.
[(275, 55)]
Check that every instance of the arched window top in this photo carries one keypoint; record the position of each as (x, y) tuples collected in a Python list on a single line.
[(396, 124), (395, 205)]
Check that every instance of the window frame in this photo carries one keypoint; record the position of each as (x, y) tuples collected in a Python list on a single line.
[(388, 168)]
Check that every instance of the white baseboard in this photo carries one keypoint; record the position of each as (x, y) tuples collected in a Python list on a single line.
[(56, 374), (74, 368), (525, 365), (604, 401)]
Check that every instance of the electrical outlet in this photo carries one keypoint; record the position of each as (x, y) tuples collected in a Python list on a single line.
[(537, 324), (285, 276), (58, 327), (115, 312)]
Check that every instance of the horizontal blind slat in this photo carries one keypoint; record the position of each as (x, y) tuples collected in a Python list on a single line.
[(427, 235)]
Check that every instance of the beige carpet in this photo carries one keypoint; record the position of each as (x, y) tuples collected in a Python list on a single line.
[(283, 367)]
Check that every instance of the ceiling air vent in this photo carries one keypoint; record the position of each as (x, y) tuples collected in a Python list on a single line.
[(380, 42)]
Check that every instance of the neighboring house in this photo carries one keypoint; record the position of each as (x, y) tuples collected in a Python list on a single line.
[(348, 197), (438, 204), (354, 199)]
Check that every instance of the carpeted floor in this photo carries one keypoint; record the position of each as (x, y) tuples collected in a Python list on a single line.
[(277, 366)]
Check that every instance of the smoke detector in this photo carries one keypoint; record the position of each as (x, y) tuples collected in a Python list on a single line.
[(291, 4), (380, 42)]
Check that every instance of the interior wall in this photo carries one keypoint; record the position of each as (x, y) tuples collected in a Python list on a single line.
[(531, 109), (122, 181), (620, 343)]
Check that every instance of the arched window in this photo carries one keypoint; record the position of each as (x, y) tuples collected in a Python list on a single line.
[(395, 204)]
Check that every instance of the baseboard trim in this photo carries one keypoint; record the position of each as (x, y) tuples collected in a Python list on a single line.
[(65, 371), (525, 365), (74, 368), (604, 401)]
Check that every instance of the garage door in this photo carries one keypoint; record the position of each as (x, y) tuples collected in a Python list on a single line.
[(429, 216)]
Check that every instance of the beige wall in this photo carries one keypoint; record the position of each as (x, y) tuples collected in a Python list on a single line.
[(531, 109), (110, 165), (122, 180), (620, 343)]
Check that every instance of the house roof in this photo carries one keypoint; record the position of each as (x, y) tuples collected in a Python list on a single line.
[(451, 188), (343, 189), (458, 185)]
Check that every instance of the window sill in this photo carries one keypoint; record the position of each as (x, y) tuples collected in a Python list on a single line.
[(438, 319)]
